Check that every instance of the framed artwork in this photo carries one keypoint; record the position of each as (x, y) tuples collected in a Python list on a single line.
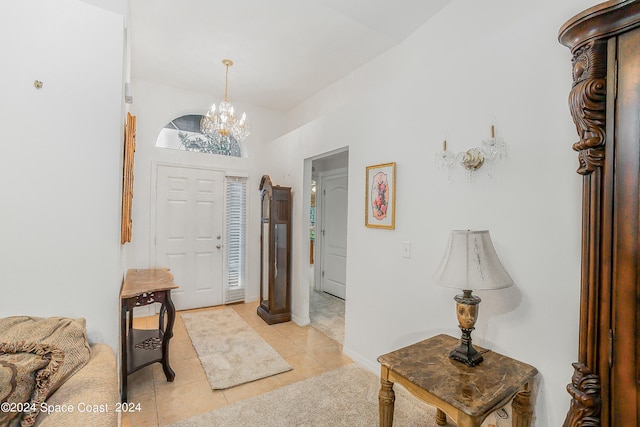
[(380, 199)]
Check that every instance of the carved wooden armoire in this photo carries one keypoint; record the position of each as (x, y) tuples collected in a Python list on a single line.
[(605, 105)]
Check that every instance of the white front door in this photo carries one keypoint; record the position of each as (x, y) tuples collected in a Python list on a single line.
[(334, 239), (188, 235)]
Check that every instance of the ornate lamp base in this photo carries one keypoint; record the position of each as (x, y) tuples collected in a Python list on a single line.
[(465, 352), (467, 306)]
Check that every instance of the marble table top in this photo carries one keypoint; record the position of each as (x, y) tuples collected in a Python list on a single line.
[(140, 281), (473, 390)]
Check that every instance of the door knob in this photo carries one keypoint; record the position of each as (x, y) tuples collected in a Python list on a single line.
[(218, 246)]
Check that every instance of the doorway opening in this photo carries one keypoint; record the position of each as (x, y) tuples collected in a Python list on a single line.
[(328, 243)]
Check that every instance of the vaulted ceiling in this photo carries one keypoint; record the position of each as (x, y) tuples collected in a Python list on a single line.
[(284, 51)]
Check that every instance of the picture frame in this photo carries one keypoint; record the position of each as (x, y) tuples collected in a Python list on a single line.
[(380, 196)]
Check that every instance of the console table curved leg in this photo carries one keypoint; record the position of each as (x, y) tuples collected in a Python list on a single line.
[(386, 400), (441, 417), (168, 333)]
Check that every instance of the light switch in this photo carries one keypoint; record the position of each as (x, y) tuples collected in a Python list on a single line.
[(406, 249)]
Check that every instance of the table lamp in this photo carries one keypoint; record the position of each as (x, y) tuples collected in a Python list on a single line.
[(470, 263)]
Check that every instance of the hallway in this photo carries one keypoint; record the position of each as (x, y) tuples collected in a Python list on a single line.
[(327, 314)]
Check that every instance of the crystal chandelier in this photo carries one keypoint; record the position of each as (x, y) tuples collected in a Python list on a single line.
[(221, 124)]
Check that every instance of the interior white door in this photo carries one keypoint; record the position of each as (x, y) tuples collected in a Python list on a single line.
[(189, 229), (334, 239)]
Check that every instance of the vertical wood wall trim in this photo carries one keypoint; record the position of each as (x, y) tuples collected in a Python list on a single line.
[(127, 178)]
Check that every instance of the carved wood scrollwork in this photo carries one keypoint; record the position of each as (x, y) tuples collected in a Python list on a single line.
[(585, 398), (587, 102)]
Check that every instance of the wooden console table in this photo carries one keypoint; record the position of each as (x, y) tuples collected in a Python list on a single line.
[(467, 395), (142, 347)]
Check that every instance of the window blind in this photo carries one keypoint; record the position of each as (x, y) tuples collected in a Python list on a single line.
[(236, 213)]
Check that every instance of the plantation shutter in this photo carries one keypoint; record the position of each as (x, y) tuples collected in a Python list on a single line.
[(236, 202)]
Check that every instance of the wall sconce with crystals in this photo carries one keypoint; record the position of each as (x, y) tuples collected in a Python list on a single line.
[(486, 154)]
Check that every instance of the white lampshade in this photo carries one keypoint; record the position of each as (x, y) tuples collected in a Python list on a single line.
[(471, 262)]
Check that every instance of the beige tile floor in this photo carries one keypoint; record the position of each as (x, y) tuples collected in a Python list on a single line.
[(307, 350)]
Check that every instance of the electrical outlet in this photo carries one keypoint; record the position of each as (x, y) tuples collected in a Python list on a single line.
[(406, 249)]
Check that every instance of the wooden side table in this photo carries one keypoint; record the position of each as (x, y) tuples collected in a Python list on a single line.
[(142, 347), (466, 394)]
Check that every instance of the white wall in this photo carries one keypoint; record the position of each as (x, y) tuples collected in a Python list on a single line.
[(473, 63), (156, 105), (117, 6), (61, 162)]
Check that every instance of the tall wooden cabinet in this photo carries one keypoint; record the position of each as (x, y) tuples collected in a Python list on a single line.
[(275, 252), (605, 106)]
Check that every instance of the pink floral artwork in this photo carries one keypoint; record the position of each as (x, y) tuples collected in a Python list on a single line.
[(380, 200), (380, 196)]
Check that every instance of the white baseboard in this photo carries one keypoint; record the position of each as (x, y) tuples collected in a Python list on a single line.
[(362, 361), (300, 321)]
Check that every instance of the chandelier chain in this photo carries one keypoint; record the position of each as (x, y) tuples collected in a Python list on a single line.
[(227, 63)]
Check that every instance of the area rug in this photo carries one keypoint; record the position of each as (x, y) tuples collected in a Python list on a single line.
[(231, 353), (346, 397)]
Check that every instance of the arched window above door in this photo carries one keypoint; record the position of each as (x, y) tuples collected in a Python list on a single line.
[(183, 133)]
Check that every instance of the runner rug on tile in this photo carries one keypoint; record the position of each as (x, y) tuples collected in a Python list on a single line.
[(230, 351)]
